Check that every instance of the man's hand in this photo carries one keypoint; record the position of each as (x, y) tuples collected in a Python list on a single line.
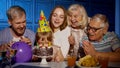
[(26, 40), (4, 47), (89, 48)]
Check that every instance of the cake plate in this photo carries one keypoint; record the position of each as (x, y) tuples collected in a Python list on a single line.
[(44, 62)]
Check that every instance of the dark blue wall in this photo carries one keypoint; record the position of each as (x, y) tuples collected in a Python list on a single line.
[(33, 8), (117, 18)]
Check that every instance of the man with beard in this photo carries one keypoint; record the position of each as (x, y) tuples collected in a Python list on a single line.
[(17, 30)]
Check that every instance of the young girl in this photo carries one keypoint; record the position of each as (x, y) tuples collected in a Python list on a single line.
[(58, 24), (44, 39)]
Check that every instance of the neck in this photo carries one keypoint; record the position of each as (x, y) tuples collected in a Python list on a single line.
[(75, 27), (56, 29), (96, 40)]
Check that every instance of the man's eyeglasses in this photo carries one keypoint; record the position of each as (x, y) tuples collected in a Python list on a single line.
[(93, 28)]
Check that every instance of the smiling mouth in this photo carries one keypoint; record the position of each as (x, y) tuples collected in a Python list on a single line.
[(90, 35), (56, 22), (74, 23), (22, 28)]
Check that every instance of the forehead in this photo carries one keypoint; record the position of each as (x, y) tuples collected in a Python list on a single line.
[(58, 11), (74, 12), (44, 34), (19, 18), (95, 23)]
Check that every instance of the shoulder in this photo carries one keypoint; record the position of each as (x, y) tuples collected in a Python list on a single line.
[(4, 32), (28, 31), (5, 35), (30, 34), (62, 33), (66, 31), (67, 28), (114, 40), (110, 35)]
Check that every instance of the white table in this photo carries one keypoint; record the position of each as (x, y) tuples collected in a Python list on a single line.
[(50, 64), (60, 64)]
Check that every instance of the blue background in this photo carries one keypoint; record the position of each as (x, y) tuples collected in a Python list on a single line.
[(33, 8)]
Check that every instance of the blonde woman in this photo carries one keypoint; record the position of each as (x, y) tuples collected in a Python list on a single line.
[(77, 20)]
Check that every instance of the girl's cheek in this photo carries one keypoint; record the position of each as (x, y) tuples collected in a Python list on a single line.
[(46, 45)]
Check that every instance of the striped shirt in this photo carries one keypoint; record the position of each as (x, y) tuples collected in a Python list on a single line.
[(109, 43), (6, 36)]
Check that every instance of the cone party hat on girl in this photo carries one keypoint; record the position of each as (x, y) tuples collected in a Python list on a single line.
[(43, 24)]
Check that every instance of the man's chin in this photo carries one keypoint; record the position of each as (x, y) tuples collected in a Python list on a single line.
[(91, 38), (20, 33)]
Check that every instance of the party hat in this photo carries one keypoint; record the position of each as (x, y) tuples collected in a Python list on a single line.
[(43, 24)]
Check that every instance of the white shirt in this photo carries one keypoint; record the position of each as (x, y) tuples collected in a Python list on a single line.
[(61, 40)]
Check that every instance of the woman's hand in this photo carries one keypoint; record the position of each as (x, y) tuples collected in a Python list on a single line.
[(71, 40)]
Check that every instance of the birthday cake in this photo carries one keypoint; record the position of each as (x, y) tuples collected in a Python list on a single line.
[(44, 51), (43, 34)]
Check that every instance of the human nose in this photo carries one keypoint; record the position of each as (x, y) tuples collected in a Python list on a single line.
[(72, 18), (90, 31), (22, 25), (57, 18)]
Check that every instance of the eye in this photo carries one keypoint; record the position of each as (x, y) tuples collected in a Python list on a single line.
[(24, 21), (17, 23), (54, 15), (62, 17), (49, 38), (75, 16)]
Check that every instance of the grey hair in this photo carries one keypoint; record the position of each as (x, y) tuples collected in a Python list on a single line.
[(102, 18)]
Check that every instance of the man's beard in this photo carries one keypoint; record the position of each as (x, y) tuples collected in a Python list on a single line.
[(18, 34)]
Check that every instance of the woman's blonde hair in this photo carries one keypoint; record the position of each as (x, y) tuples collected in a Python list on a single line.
[(83, 23)]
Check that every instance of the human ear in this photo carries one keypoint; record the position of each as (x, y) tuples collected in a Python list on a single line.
[(10, 22), (105, 29)]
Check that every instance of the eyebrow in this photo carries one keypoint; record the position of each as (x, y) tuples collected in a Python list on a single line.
[(94, 27), (57, 14)]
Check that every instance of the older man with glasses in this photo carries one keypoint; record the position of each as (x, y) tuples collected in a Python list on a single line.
[(100, 42)]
